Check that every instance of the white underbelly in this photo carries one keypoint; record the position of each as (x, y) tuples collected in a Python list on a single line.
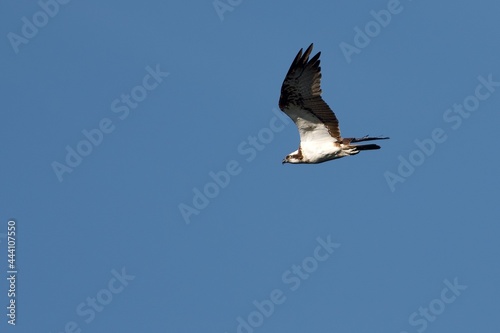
[(319, 151)]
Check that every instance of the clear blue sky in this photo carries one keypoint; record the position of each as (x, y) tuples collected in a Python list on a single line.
[(117, 115)]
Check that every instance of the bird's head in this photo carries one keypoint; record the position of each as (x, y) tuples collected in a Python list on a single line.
[(295, 157)]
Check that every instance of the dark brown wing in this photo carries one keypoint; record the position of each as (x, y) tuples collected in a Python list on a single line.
[(301, 98)]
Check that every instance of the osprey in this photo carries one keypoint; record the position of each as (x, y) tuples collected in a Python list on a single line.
[(318, 126)]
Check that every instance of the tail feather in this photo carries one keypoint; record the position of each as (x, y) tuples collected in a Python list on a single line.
[(367, 147), (354, 149), (367, 138)]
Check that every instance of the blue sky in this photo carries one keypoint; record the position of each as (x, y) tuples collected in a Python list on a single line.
[(117, 115)]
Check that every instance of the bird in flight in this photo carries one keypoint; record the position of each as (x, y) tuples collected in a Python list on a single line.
[(318, 126)]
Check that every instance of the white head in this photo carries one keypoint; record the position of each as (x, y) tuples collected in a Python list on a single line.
[(294, 157)]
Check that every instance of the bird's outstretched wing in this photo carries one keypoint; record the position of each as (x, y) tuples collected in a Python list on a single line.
[(301, 100)]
